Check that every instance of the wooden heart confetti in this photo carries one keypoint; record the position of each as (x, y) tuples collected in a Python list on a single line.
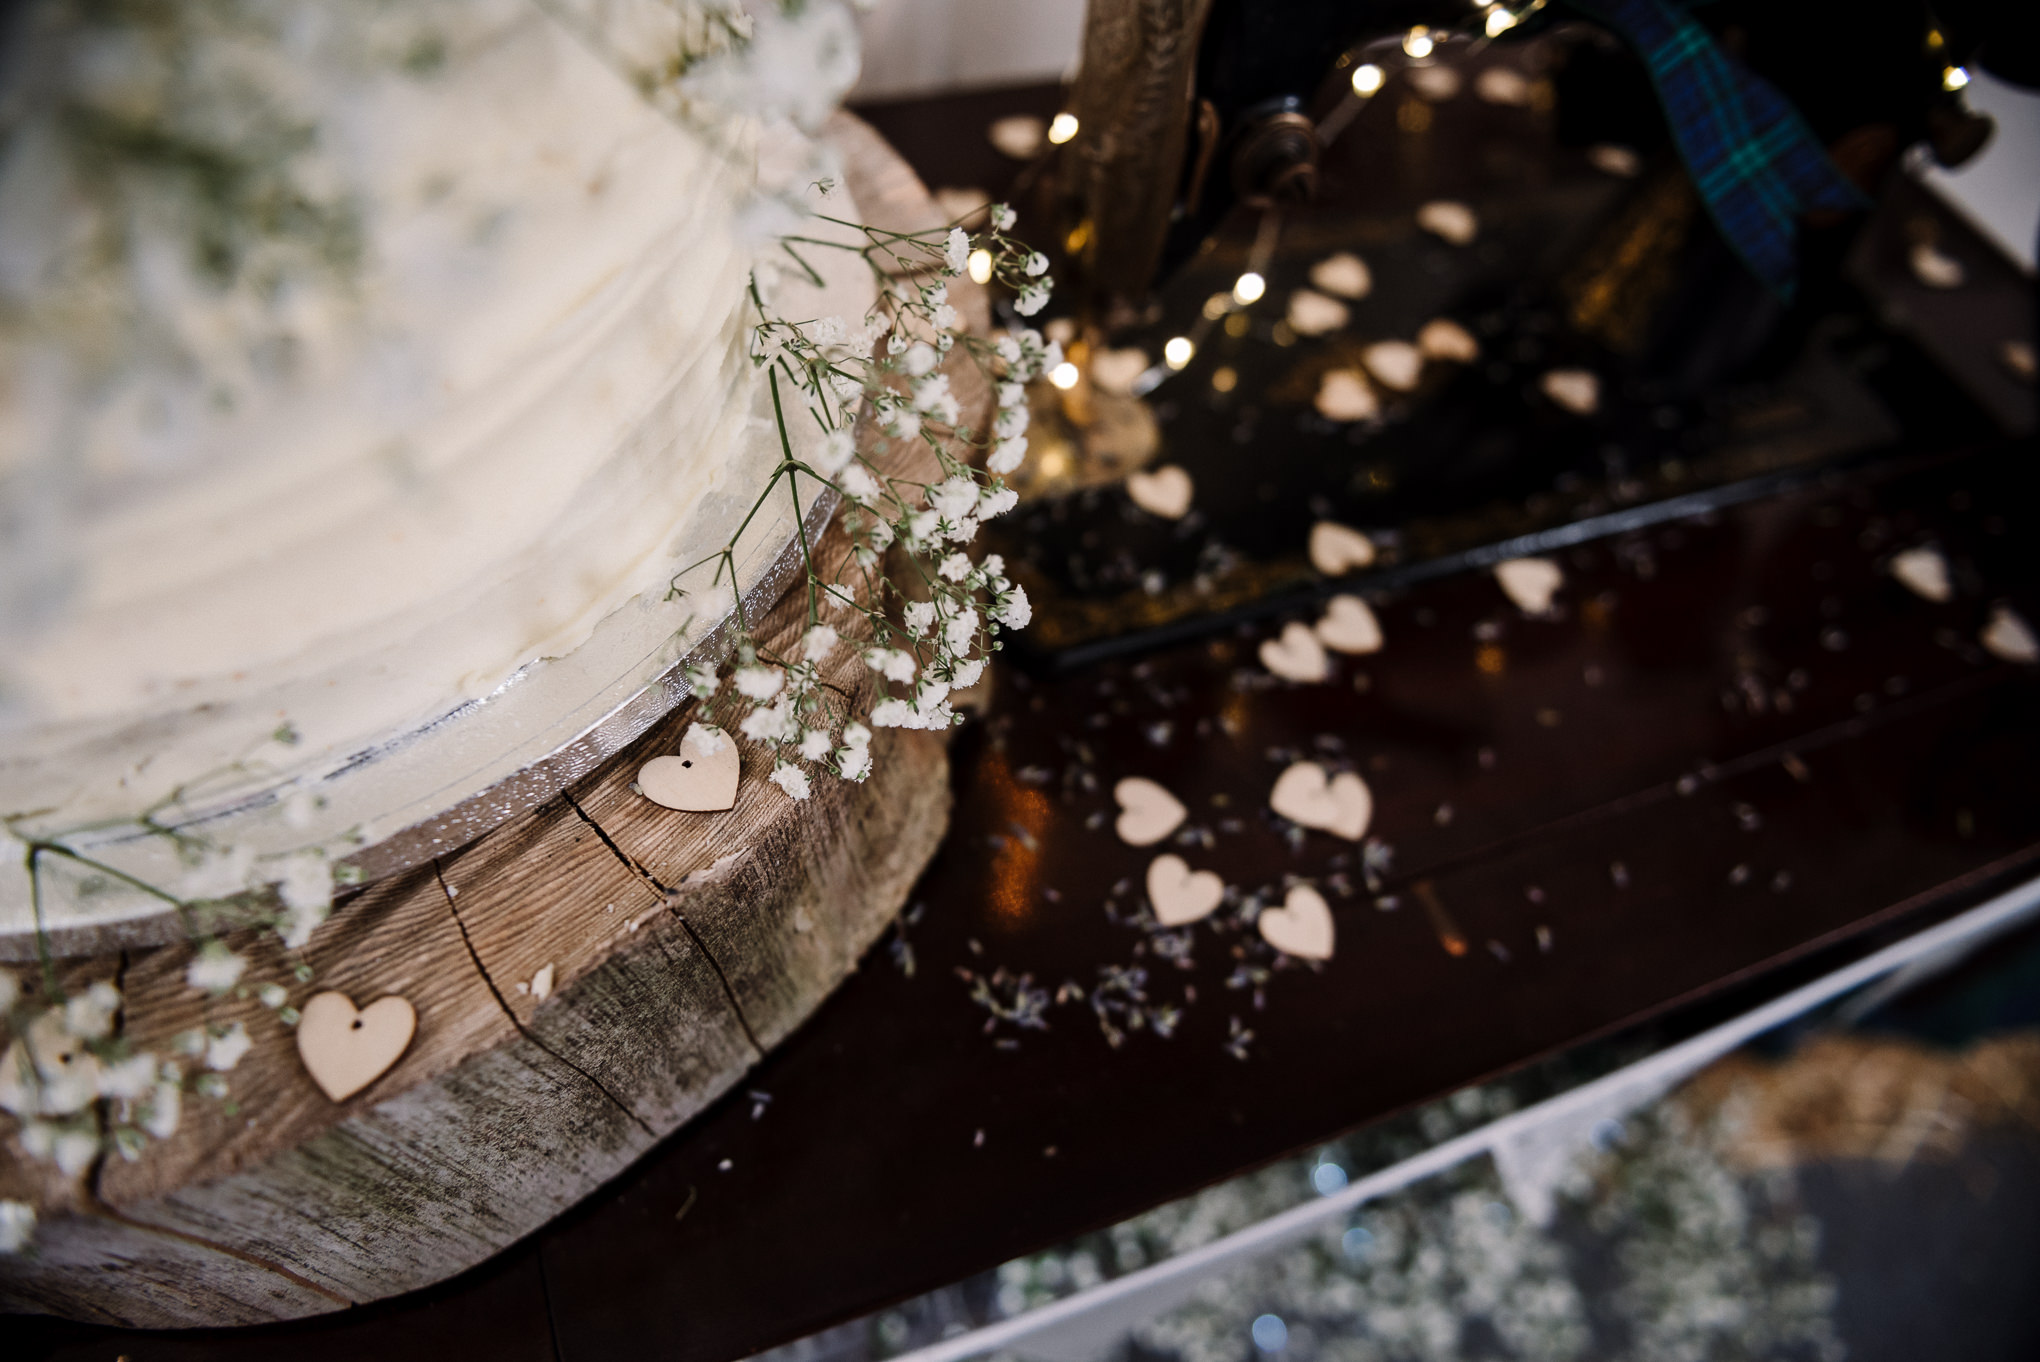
[(1114, 371), (1344, 274), (1337, 549), (1302, 926), (1349, 626), (1019, 135), (1313, 314), (2009, 637), (1924, 572), (1164, 491), (1147, 812), (1443, 338), (1530, 582), (1618, 161), (1934, 268), (344, 1049), (1395, 365), (701, 778), (1577, 390), (1449, 220), (1435, 83), (1179, 894), (1296, 655), (1500, 85), (1343, 395), (1341, 805)]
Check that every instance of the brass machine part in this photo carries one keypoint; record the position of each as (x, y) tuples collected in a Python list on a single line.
[(1133, 107)]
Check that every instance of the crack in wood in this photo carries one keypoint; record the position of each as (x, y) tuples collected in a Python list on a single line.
[(106, 1212), (669, 897), (504, 1003)]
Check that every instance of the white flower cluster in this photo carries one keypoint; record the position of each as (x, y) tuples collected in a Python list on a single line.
[(929, 634), (80, 1090)]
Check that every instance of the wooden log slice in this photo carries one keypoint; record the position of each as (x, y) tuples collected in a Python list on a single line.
[(681, 946)]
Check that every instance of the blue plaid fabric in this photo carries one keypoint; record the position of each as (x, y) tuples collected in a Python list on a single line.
[(1757, 165)]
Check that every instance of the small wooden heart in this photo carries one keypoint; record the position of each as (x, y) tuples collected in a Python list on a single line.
[(1344, 274), (1443, 338), (345, 1050), (1337, 549), (1147, 812), (1296, 655), (1164, 491), (1924, 572), (1349, 627), (1577, 390), (1179, 894), (1115, 370), (1529, 582), (1341, 805), (1449, 220), (1313, 314), (1343, 395), (1396, 365), (2009, 637), (1935, 268), (1302, 926), (702, 778)]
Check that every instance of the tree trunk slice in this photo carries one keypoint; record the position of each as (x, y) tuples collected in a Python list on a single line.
[(683, 947)]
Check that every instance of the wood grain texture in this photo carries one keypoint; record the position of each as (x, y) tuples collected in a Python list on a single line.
[(682, 946)]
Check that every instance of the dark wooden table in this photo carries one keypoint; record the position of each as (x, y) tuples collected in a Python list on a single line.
[(1739, 749)]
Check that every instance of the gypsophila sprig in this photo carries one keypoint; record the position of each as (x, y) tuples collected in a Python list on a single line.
[(909, 599)]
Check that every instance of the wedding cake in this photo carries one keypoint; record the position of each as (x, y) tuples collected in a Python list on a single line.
[(367, 372)]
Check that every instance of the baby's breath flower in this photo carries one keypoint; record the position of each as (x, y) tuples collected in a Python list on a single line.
[(919, 359), (772, 725), (1003, 217), (272, 996), (853, 763), (1037, 265), (759, 683), (891, 713), (815, 744), (967, 673), (1010, 421), (956, 250), (859, 485), (919, 615), (1033, 298), (160, 1117), (818, 642), (707, 737), (1008, 455), (89, 1015), (17, 1225), (306, 888), (954, 498), (129, 1079), (856, 735), (961, 630), (838, 448), (215, 968), (1014, 611), (996, 501), (228, 1048), (955, 567), (703, 682), (947, 318), (791, 779)]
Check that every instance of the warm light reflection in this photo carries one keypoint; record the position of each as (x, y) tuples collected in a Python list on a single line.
[(1449, 935), (1499, 21), (1491, 660), (1064, 375), (1417, 42), (981, 267), (1225, 380), (1063, 128), (1216, 306), (1237, 325), (1177, 352), (1248, 288), (1021, 815), (1367, 79), (1954, 78)]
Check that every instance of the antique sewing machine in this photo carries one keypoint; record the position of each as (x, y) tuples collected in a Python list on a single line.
[(1223, 149)]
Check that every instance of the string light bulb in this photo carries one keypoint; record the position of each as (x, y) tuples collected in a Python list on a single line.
[(1248, 288), (1499, 21), (980, 266), (1418, 42), (1064, 375), (1954, 78), (1367, 79), (1176, 353), (1063, 128)]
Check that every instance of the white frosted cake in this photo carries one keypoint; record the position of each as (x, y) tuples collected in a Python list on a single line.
[(358, 362)]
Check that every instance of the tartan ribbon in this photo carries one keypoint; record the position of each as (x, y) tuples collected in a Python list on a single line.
[(1755, 162)]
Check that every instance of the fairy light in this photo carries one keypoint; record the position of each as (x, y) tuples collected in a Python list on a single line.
[(1418, 43), (1177, 352), (1064, 375), (1954, 78), (981, 267), (1367, 79), (1499, 21), (1248, 288), (1063, 128)]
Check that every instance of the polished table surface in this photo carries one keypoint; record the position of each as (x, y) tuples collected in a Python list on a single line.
[(1737, 749)]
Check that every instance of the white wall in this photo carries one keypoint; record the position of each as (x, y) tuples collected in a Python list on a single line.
[(916, 47), (2000, 190)]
